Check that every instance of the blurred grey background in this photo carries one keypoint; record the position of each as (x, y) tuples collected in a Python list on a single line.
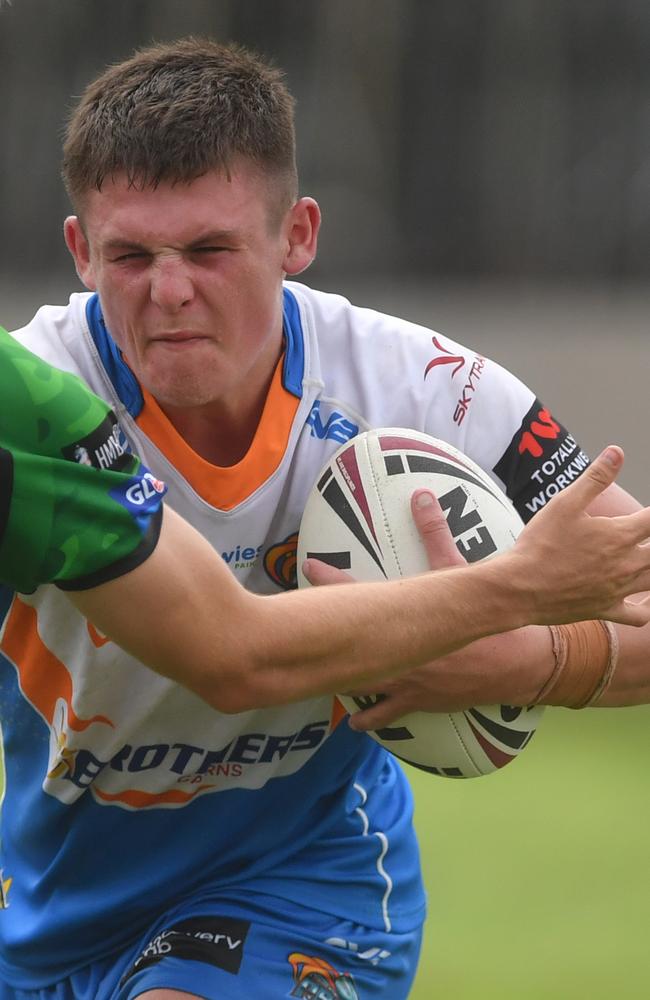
[(483, 167)]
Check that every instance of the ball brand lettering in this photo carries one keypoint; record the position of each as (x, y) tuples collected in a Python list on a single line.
[(189, 761), (480, 543), (346, 475), (146, 488)]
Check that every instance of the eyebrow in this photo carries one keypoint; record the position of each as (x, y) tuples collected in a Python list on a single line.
[(213, 238)]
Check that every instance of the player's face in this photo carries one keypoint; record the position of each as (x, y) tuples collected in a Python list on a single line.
[(190, 279)]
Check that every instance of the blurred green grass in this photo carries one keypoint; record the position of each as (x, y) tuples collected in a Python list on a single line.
[(538, 876)]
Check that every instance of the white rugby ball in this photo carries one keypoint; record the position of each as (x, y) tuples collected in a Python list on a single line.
[(358, 518)]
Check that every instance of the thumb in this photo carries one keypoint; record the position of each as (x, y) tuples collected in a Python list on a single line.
[(319, 573), (435, 535)]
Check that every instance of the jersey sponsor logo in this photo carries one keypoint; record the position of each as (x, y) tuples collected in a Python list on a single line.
[(216, 941), (185, 763), (242, 556), (280, 562), (336, 427), (372, 955), (444, 358), (144, 489), (543, 428), (104, 448), (541, 460), (458, 361), (317, 978), (468, 390), (81, 456), (63, 752), (140, 493), (89, 754)]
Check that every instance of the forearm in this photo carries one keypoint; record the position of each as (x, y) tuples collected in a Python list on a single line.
[(631, 682), (526, 662), (189, 620), (183, 613), (360, 633)]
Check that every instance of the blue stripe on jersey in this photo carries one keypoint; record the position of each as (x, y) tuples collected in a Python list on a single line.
[(294, 358), (126, 384)]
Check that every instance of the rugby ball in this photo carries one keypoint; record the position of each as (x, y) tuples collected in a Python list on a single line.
[(358, 518)]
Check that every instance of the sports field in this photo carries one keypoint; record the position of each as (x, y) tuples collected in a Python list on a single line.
[(539, 876)]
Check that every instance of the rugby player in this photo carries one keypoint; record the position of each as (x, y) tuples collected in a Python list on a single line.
[(257, 846)]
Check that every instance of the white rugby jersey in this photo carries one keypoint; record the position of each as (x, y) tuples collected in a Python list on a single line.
[(100, 749)]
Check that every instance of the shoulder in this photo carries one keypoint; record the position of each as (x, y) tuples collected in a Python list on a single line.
[(365, 345), (55, 332), (335, 315), (47, 410), (407, 373)]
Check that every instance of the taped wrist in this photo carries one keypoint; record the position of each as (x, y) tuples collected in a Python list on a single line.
[(586, 654)]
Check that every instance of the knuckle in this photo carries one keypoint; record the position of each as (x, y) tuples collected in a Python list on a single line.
[(597, 474), (435, 526)]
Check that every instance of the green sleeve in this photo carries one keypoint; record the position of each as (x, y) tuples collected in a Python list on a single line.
[(76, 506)]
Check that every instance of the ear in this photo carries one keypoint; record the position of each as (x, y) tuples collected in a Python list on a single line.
[(77, 244), (303, 224)]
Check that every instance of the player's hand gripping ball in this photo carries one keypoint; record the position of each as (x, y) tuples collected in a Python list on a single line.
[(358, 518)]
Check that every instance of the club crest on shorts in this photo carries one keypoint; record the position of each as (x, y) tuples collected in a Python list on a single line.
[(5, 886), (315, 977)]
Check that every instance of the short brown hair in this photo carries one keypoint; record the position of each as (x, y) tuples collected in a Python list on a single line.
[(173, 112)]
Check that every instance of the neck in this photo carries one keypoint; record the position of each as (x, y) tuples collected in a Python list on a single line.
[(221, 431)]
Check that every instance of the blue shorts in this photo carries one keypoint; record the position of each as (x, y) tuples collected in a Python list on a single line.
[(255, 946)]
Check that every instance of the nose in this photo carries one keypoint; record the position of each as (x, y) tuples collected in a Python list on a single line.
[(171, 284)]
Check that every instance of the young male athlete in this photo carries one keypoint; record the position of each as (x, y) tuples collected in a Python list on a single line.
[(255, 847)]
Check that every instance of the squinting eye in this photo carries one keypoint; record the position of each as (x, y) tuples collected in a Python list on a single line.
[(125, 257), (206, 250)]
